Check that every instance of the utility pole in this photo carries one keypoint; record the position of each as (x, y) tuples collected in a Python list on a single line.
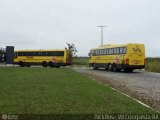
[(101, 26)]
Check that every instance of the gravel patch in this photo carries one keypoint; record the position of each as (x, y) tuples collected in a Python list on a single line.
[(141, 85)]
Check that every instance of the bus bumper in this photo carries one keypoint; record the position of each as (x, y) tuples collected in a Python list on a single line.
[(134, 66)]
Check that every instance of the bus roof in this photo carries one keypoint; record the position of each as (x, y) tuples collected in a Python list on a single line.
[(40, 50), (114, 45)]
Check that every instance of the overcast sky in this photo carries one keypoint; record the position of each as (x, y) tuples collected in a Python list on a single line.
[(49, 24)]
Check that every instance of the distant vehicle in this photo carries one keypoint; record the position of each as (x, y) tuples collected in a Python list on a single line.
[(115, 57), (51, 58), (2, 56)]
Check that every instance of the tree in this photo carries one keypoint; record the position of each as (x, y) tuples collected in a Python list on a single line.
[(72, 47)]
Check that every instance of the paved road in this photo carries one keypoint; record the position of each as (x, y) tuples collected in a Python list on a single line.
[(142, 85)]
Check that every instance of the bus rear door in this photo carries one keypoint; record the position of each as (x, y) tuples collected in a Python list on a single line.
[(136, 54)]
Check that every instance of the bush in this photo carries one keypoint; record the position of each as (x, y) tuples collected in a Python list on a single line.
[(81, 60), (152, 64)]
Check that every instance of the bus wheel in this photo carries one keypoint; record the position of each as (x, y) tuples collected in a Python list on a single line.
[(110, 67), (44, 64), (94, 67), (21, 64), (130, 70), (28, 65), (114, 67), (106, 68), (50, 64)]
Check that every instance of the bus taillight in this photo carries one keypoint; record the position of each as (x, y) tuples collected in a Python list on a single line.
[(127, 60)]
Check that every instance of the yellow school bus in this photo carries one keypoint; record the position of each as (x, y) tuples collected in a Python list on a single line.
[(51, 58), (116, 57)]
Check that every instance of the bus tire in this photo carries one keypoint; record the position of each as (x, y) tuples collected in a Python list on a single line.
[(94, 67), (28, 65), (106, 69), (110, 67), (44, 64), (115, 69), (21, 64), (50, 64)]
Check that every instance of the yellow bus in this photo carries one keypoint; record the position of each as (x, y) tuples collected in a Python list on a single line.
[(116, 57), (51, 58)]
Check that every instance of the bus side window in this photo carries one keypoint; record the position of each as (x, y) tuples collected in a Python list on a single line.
[(124, 50), (44, 53), (97, 52), (94, 52), (20, 54), (106, 51), (115, 50), (111, 51), (101, 52), (121, 51)]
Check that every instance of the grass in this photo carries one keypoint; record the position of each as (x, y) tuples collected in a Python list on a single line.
[(59, 91), (152, 64)]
